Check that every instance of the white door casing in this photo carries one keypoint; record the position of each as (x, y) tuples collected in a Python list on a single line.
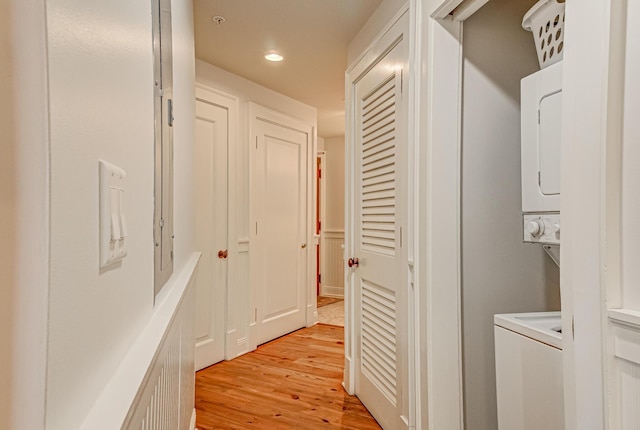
[(379, 213), (211, 134), (280, 231)]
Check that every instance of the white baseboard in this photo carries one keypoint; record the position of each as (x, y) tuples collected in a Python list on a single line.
[(330, 291), (312, 315), (232, 345), (243, 346), (193, 420)]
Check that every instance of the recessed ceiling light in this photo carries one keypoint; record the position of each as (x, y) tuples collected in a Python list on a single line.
[(274, 57)]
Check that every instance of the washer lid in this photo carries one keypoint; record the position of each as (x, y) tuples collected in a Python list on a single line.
[(544, 327)]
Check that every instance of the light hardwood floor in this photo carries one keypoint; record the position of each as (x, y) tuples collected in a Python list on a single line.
[(293, 382)]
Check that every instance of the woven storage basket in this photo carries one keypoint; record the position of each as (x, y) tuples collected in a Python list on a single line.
[(546, 21)]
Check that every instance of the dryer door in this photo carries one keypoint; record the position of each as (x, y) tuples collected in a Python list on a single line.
[(541, 105), (549, 143)]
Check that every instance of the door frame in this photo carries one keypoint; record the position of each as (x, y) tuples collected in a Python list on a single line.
[(232, 104), (264, 113), (589, 80)]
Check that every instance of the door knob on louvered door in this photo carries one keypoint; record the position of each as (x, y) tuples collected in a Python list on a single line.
[(223, 254), (353, 262)]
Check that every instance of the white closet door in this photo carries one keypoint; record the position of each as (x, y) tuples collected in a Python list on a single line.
[(279, 187), (380, 217), (210, 194)]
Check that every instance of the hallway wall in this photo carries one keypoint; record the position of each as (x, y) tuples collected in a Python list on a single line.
[(334, 174), (7, 211), (101, 107), (24, 173)]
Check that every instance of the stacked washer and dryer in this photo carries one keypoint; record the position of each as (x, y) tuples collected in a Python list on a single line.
[(529, 377)]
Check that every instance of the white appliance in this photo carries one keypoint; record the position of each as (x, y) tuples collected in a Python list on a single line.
[(529, 371), (541, 102)]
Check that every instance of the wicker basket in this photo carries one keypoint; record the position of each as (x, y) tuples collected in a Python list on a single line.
[(546, 21)]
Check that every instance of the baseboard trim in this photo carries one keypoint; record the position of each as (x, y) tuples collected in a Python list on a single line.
[(331, 291), (192, 426)]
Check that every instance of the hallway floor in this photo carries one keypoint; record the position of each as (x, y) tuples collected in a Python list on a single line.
[(331, 311), (293, 382)]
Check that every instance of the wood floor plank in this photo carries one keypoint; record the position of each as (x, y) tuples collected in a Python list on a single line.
[(294, 382)]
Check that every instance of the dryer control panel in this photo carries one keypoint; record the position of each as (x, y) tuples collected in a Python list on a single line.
[(542, 228)]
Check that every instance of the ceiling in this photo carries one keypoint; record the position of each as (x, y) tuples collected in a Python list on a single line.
[(312, 35)]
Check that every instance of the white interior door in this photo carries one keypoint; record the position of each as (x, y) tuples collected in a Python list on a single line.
[(381, 277), (279, 193), (211, 230)]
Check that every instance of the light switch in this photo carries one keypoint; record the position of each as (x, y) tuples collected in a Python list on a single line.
[(113, 232)]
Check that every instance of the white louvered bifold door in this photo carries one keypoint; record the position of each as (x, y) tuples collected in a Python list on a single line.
[(380, 217)]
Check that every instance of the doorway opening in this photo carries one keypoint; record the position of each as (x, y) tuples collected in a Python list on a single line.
[(330, 230)]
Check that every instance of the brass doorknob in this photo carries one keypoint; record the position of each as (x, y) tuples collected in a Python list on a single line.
[(223, 254), (353, 262), (303, 245)]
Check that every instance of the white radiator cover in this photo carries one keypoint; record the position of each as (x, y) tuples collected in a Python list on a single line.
[(332, 263), (154, 387)]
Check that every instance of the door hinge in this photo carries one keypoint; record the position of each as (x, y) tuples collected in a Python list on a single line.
[(319, 278), (255, 314), (539, 180), (538, 116), (256, 228)]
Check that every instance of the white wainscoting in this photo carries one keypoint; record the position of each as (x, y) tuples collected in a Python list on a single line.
[(332, 263), (625, 326), (154, 387)]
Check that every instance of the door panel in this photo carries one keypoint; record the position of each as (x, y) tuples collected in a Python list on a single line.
[(279, 190), (380, 217), (281, 227), (210, 195)]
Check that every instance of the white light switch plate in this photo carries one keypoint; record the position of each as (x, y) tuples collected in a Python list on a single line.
[(113, 229)]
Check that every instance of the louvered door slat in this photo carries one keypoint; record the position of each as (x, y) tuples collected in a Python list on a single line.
[(379, 337), (378, 167), (384, 141), (380, 152), (372, 100)]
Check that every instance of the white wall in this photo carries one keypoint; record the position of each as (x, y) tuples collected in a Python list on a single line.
[(500, 273), (372, 28), (101, 107), (333, 175), (24, 266), (239, 317), (7, 211), (7, 215)]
